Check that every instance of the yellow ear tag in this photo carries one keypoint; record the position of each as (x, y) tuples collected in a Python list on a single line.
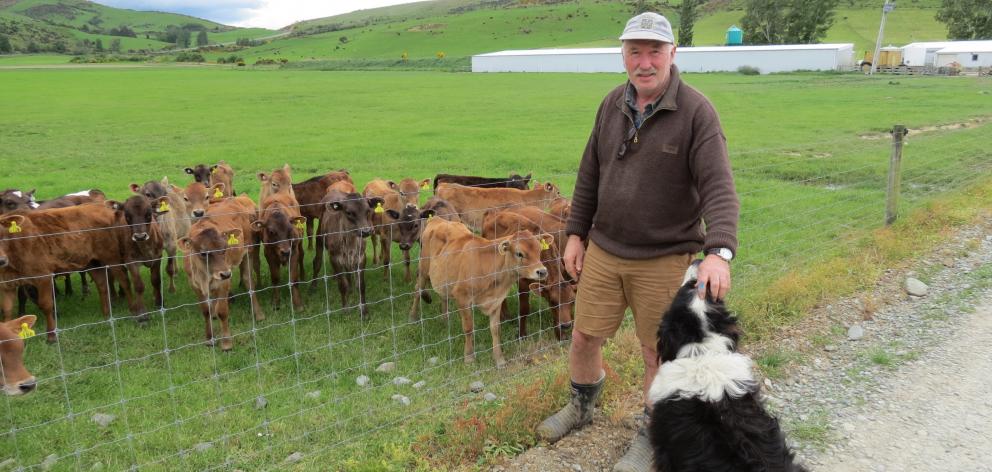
[(430, 216), (213, 171), (544, 245), (218, 194), (13, 228), (232, 240), (301, 225), (163, 207), (26, 331), (424, 186), (378, 209)]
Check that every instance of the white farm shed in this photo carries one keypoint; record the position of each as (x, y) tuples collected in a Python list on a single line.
[(924, 54), (970, 54), (780, 58)]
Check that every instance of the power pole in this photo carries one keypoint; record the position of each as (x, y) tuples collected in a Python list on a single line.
[(881, 29)]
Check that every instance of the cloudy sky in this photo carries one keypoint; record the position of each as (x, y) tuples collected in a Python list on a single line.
[(271, 14)]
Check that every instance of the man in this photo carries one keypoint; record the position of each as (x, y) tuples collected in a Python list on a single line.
[(654, 172)]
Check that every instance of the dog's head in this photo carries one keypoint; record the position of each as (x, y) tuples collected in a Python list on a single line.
[(693, 326)]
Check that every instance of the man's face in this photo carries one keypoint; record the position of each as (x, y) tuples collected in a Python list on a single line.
[(648, 65)]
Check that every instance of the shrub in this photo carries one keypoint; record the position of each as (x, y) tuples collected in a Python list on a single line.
[(748, 70), (190, 57), (440, 54)]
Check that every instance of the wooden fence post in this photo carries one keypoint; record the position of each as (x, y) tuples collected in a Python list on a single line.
[(895, 176)]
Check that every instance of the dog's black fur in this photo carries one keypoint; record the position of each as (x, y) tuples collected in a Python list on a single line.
[(730, 434)]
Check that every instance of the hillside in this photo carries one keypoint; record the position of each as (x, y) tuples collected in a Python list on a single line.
[(75, 26), (460, 28)]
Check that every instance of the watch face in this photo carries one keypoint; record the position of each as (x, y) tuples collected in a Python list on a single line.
[(725, 253)]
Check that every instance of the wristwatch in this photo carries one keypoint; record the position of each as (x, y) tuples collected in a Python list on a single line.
[(722, 253)]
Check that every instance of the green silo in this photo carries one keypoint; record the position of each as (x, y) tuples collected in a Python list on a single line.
[(735, 37)]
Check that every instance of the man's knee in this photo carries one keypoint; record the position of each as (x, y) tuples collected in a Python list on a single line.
[(582, 342)]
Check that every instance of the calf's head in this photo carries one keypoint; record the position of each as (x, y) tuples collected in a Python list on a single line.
[(14, 377), (524, 251), (140, 215), (209, 248), (279, 231), (14, 200), (198, 197), (355, 209), (404, 225)]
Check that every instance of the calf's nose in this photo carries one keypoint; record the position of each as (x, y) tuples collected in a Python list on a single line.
[(542, 274), (139, 237), (27, 386), (197, 213), (3, 262), (404, 246), (365, 232), (224, 275)]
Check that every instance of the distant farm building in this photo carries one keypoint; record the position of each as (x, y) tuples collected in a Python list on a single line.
[(780, 58), (924, 54), (969, 54)]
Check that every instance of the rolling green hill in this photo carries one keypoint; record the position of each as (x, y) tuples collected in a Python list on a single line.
[(74, 26), (461, 28)]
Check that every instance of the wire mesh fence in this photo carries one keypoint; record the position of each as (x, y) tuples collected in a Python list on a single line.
[(302, 383)]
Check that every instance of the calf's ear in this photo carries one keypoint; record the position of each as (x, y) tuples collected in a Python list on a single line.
[(185, 244), (134, 188), (535, 287), (189, 170), (257, 225), (113, 205), (161, 205), (503, 247), (17, 324), (392, 185), (12, 224), (427, 214), (262, 176)]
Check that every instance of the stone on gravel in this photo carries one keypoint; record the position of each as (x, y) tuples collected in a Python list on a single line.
[(261, 402), (362, 380), (476, 386), (401, 399), (419, 385), (103, 419), (916, 288), (294, 458), (386, 367), (855, 332), (489, 397), (402, 381), (830, 348)]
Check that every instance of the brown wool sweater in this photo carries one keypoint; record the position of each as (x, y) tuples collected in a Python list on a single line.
[(653, 201)]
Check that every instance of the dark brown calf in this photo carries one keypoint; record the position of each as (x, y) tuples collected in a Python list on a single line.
[(281, 229), (309, 193), (513, 181), (210, 175), (344, 225), (143, 244), (14, 378), (174, 225), (36, 245)]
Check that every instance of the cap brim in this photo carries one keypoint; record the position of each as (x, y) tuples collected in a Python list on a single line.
[(648, 36)]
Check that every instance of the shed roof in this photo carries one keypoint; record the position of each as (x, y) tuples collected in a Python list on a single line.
[(970, 46), (616, 50)]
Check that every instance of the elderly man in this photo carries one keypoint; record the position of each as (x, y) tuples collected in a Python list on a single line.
[(654, 189)]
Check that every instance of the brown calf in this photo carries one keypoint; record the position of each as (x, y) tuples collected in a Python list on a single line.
[(173, 224), (437, 206), (210, 175), (310, 192), (14, 378), (344, 225), (198, 197), (475, 271), (216, 244), (277, 181), (281, 229), (472, 203), (36, 245), (137, 218), (514, 181), (559, 292)]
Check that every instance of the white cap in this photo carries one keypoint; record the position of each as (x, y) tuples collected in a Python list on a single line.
[(650, 26)]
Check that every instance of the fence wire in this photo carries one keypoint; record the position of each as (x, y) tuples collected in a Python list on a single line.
[(306, 383)]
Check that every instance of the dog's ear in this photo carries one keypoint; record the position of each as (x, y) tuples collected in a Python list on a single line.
[(725, 324)]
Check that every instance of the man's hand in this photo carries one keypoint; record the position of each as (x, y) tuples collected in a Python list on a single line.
[(575, 252), (714, 274)]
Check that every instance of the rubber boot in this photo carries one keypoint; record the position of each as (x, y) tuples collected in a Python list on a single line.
[(639, 456), (577, 413)]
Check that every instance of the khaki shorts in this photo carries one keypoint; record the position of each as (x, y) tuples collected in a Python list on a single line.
[(609, 285)]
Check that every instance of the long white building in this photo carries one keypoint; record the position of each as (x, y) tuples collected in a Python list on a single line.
[(778, 58)]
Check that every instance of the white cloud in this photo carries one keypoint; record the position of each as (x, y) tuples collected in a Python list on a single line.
[(253, 13)]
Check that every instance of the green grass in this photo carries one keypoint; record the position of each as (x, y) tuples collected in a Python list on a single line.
[(810, 188)]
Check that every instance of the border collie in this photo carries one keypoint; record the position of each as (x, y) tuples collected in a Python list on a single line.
[(707, 413)]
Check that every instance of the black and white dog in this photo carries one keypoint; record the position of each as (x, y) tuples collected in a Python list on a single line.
[(707, 414)]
